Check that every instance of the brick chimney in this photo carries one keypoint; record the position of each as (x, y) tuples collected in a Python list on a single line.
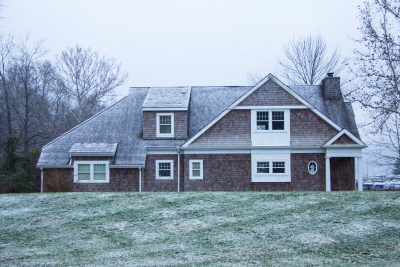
[(331, 87)]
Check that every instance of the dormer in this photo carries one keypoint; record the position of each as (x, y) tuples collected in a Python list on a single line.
[(165, 113)]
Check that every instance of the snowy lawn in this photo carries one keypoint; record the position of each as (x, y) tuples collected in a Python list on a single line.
[(216, 229)]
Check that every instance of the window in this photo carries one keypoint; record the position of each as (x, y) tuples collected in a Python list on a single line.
[(91, 172), (165, 125), (312, 167), (270, 120), (278, 167), (262, 120), (164, 169), (278, 120), (270, 167), (196, 169), (263, 167)]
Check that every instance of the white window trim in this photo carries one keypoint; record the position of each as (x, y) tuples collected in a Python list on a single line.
[(171, 177), (91, 163), (172, 125), (270, 168), (191, 169), (270, 156), (316, 167), (270, 121)]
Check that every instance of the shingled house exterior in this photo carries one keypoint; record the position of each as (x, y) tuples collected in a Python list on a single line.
[(236, 138)]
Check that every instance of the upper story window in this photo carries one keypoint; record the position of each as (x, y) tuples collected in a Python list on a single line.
[(165, 125), (91, 172), (270, 120)]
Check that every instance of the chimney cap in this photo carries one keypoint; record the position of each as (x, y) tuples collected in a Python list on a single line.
[(330, 74)]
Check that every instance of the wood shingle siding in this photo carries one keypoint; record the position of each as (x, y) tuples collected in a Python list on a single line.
[(62, 180), (270, 94), (232, 130), (307, 129), (150, 124)]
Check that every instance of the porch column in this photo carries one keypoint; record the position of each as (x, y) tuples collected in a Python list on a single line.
[(360, 175), (328, 173)]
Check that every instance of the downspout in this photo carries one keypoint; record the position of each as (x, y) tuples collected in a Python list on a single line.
[(41, 180), (140, 179), (179, 164)]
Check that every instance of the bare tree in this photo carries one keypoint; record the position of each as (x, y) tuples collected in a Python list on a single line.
[(6, 54), (376, 66), (376, 74), (88, 78), (26, 82), (307, 61)]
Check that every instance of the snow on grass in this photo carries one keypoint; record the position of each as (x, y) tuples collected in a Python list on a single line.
[(212, 229)]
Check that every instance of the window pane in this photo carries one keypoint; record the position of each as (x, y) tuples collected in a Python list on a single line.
[(262, 115), (277, 115), (83, 176), (165, 129), (262, 120), (99, 168), (278, 167), (262, 125), (164, 173), (165, 120), (164, 166), (83, 168), (196, 165), (278, 125), (278, 120), (196, 173), (99, 176), (263, 167), (83, 172)]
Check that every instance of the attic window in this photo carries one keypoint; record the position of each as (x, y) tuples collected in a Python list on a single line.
[(165, 125)]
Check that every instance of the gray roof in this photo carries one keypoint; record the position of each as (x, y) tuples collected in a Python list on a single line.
[(122, 122), (338, 111), (91, 149), (167, 97)]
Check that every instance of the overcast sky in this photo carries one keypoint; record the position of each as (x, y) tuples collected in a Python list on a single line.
[(168, 43), (173, 43)]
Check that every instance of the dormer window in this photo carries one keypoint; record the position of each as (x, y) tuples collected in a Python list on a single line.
[(165, 125)]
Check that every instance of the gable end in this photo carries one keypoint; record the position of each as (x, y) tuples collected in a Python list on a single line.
[(270, 94)]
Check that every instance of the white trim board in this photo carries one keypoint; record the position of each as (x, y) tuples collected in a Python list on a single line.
[(340, 134)]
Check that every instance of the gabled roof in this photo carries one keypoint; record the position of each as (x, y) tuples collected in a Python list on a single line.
[(335, 112), (122, 122), (344, 133)]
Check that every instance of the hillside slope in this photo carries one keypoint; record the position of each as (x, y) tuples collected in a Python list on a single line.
[(224, 229)]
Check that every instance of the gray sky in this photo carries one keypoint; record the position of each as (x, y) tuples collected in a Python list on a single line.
[(184, 42), (167, 43)]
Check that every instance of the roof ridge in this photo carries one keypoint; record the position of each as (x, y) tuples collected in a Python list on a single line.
[(80, 124)]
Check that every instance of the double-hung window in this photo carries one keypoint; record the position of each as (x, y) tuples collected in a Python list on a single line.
[(165, 169), (270, 167), (165, 125), (270, 120), (91, 172), (196, 169)]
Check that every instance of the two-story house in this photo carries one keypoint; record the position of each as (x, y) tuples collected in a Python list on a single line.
[(216, 138)]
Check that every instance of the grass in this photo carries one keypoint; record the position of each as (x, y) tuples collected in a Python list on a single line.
[(216, 229)]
